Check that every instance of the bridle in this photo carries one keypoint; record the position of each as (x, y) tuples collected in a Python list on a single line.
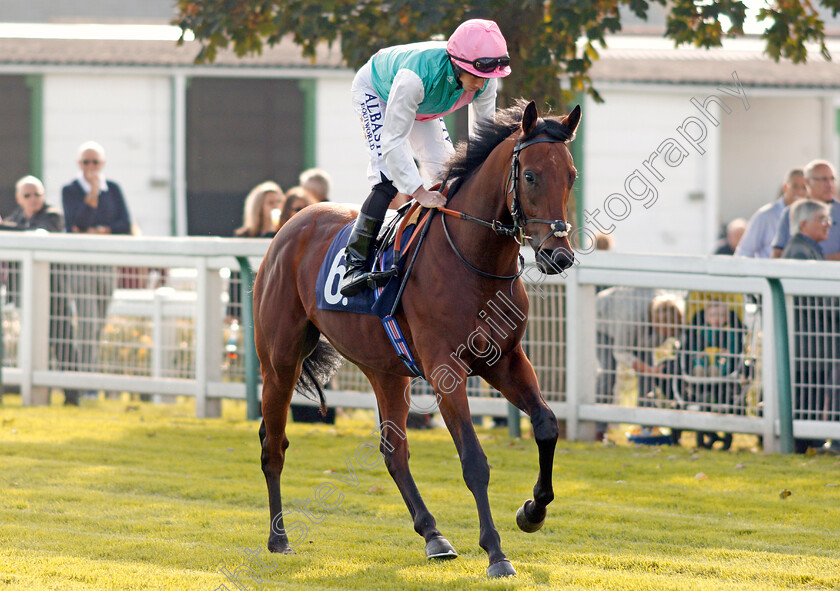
[(559, 228)]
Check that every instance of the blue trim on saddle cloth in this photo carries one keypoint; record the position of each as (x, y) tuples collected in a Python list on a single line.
[(377, 302)]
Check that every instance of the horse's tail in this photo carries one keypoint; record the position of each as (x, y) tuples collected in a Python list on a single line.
[(318, 368)]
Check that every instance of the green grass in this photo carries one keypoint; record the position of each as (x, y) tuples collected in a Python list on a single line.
[(117, 495)]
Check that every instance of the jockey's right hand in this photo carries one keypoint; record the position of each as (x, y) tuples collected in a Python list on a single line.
[(429, 198)]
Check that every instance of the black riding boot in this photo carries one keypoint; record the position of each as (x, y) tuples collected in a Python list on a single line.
[(357, 253)]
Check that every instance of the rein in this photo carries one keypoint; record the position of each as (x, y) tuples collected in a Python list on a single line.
[(470, 266), (559, 228)]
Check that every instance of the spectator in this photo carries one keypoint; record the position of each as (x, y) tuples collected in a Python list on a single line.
[(714, 341), (811, 221), (317, 182), (734, 232), (93, 205), (259, 219), (296, 199), (34, 213), (631, 323), (603, 241), (758, 239), (816, 323), (822, 186)]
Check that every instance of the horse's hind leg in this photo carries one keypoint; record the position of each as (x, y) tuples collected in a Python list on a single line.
[(513, 375), (391, 395), (281, 354), (277, 394)]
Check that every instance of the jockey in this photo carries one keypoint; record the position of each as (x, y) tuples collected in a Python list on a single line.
[(401, 95)]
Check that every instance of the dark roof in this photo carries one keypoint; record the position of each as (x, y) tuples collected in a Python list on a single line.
[(78, 52), (669, 65)]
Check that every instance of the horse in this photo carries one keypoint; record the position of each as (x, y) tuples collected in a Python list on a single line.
[(518, 172)]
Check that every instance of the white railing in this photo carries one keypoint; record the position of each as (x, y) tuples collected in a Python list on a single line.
[(561, 345), (708, 274), (31, 255)]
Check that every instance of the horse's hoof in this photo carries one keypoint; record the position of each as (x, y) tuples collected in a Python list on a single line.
[(526, 524), (279, 547), (440, 549), (503, 568)]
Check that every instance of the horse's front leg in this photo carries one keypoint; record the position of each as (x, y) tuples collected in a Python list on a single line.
[(456, 412), (391, 394), (513, 375)]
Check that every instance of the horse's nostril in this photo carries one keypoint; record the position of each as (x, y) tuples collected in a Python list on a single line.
[(553, 261), (562, 259)]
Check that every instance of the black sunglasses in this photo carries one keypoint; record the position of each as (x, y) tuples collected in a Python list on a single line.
[(485, 65), (86, 162)]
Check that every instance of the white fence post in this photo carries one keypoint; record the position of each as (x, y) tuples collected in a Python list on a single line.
[(157, 332), (572, 373), (208, 350), (580, 355), (34, 347)]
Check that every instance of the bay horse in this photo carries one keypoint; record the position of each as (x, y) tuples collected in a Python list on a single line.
[(517, 172)]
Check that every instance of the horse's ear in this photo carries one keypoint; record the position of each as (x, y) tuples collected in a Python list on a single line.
[(572, 119), (529, 118)]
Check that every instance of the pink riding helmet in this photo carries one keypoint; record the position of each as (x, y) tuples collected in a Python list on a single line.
[(478, 47)]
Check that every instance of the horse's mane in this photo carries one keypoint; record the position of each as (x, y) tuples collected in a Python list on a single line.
[(489, 134)]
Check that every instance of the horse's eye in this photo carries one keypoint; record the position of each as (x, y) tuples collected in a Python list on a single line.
[(530, 177)]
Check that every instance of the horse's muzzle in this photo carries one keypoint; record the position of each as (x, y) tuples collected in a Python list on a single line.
[(554, 261)]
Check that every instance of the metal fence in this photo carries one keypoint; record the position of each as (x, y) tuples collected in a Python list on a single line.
[(164, 317)]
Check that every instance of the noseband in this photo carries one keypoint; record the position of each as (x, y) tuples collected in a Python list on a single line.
[(559, 228)]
